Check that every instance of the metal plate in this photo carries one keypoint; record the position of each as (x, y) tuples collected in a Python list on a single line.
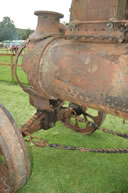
[(98, 10)]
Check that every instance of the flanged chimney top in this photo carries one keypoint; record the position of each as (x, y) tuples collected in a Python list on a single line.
[(48, 23)]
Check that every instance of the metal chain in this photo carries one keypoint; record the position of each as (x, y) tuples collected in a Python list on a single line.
[(43, 143), (124, 135), (83, 149)]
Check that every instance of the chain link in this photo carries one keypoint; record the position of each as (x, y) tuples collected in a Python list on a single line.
[(43, 143), (39, 142)]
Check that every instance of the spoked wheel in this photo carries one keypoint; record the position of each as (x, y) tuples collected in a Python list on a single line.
[(80, 121), (14, 158)]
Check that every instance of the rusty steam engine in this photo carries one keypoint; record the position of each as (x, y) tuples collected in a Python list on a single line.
[(84, 63)]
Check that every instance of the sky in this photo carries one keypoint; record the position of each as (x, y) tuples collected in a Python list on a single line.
[(22, 11)]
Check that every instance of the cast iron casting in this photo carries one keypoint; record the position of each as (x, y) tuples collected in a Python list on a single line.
[(84, 63)]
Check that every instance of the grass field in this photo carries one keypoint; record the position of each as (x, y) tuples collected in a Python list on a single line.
[(5, 50), (5, 74), (5, 71), (60, 171)]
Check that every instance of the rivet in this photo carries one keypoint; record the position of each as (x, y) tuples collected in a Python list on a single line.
[(122, 29), (92, 38), (121, 40), (110, 38), (67, 38), (76, 38), (101, 38), (112, 105), (83, 38), (68, 90), (126, 24)]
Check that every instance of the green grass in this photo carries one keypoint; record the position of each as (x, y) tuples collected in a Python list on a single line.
[(5, 74), (5, 50), (59, 171), (5, 71)]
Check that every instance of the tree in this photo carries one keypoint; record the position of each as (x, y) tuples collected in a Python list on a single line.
[(7, 30), (23, 34)]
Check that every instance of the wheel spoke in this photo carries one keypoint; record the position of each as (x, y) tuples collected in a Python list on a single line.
[(89, 128)]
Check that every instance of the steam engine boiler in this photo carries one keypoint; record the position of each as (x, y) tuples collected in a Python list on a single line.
[(84, 62)]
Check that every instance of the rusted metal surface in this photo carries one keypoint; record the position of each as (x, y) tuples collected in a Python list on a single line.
[(39, 142), (89, 74), (99, 18), (48, 24), (72, 118), (34, 124), (87, 65), (100, 81), (47, 119), (98, 10), (15, 170), (110, 59), (99, 31)]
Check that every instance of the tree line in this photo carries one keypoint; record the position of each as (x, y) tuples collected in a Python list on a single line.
[(8, 31)]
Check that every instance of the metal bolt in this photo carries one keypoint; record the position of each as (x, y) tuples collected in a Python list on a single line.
[(101, 38), (83, 38), (122, 29), (76, 38), (92, 38), (121, 40), (110, 38), (126, 24), (67, 37), (72, 27), (110, 25), (112, 105)]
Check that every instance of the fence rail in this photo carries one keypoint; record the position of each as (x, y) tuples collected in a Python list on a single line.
[(11, 64), (2, 49)]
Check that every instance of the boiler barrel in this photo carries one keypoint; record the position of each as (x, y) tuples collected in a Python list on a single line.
[(88, 74)]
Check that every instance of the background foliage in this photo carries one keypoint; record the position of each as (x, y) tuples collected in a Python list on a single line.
[(8, 31)]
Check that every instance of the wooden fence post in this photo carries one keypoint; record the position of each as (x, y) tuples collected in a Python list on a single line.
[(12, 68)]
